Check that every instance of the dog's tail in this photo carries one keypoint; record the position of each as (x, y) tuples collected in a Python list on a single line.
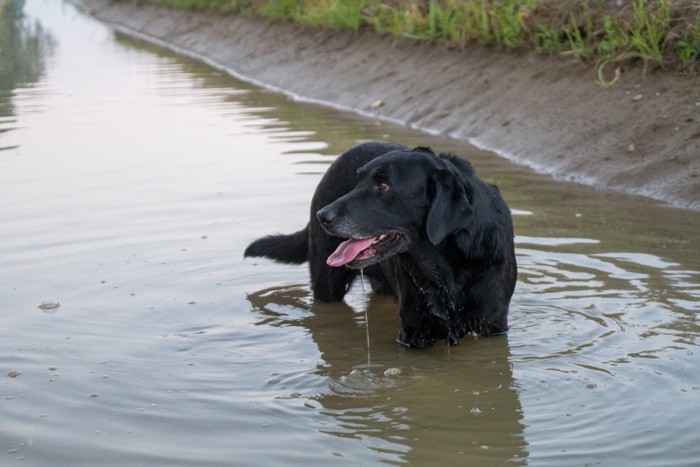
[(289, 249)]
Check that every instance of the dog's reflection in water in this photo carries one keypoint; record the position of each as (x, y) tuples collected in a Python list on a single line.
[(438, 401)]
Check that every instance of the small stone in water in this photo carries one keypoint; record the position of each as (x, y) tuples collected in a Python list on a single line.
[(376, 104), (392, 372)]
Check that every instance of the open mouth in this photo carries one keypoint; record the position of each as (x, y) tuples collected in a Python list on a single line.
[(363, 252)]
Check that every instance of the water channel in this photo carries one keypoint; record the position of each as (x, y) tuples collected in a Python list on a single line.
[(131, 180)]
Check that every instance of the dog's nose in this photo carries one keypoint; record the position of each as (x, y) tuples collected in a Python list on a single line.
[(326, 216)]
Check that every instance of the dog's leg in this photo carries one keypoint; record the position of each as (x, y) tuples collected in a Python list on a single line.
[(378, 281), (330, 284), (417, 324)]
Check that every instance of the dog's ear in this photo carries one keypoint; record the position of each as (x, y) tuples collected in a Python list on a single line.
[(450, 209)]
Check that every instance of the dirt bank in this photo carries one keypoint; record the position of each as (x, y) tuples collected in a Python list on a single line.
[(640, 136)]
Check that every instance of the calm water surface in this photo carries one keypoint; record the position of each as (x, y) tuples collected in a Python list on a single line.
[(132, 179)]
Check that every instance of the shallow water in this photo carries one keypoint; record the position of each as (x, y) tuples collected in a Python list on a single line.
[(131, 180)]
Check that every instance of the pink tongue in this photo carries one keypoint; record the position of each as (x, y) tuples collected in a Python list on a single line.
[(348, 251)]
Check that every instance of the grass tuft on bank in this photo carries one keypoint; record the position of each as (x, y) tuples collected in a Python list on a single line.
[(608, 33)]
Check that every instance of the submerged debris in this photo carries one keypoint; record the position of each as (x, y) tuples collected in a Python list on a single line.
[(50, 305)]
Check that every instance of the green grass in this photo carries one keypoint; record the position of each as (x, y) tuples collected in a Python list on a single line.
[(657, 33), (338, 14)]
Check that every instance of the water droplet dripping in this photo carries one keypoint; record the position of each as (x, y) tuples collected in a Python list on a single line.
[(364, 306)]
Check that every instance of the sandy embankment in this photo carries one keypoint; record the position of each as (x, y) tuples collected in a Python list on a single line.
[(640, 136)]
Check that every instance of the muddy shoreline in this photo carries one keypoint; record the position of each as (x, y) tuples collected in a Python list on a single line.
[(641, 136)]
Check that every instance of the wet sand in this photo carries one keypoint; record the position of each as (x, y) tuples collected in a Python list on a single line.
[(639, 136)]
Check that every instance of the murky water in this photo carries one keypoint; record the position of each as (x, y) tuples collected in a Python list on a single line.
[(130, 182)]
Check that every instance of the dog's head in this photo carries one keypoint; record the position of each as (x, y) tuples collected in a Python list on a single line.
[(401, 198)]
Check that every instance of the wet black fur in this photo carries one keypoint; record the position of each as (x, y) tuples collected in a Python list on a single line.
[(457, 272)]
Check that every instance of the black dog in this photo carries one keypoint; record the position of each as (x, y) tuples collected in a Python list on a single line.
[(423, 227)]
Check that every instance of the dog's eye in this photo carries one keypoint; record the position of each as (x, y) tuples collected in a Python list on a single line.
[(383, 187)]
